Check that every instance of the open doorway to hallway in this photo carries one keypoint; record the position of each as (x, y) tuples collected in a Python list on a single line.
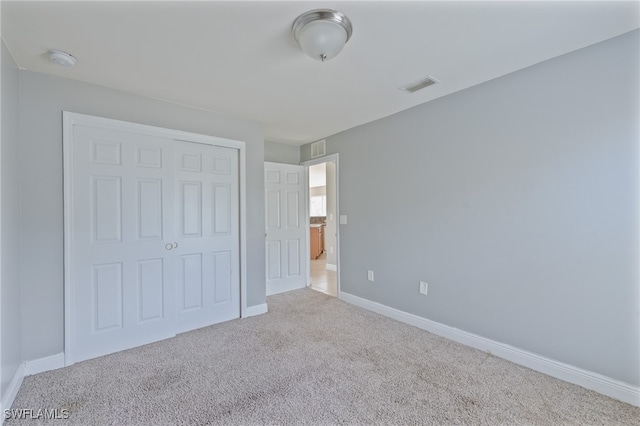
[(322, 279), (322, 228)]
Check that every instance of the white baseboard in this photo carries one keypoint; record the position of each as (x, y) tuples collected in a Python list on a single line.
[(12, 390), (256, 310), (27, 368), (40, 365), (602, 384), (331, 267)]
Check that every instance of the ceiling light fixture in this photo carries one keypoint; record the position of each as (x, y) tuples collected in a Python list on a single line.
[(322, 33), (61, 58)]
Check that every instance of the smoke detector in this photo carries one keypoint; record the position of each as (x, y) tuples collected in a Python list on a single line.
[(61, 58)]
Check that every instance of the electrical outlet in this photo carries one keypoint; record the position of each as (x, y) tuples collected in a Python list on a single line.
[(424, 287), (370, 275)]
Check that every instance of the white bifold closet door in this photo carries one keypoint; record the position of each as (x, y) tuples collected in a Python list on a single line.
[(207, 280), (155, 238)]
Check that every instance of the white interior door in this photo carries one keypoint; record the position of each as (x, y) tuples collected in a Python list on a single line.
[(122, 220), (207, 208), (155, 238), (286, 227)]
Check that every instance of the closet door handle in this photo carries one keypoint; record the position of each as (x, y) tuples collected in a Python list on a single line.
[(168, 246), (175, 245)]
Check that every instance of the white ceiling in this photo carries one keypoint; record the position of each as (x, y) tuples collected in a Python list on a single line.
[(238, 58)]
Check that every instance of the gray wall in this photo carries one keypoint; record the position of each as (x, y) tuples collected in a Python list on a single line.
[(281, 153), (517, 200), (10, 291), (42, 100)]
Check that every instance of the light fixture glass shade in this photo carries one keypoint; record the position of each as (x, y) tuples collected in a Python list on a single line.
[(322, 40), (322, 33)]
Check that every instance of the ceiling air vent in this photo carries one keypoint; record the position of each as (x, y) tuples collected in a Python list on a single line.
[(419, 85), (318, 149)]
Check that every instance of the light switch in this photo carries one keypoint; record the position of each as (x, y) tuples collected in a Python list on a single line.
[(343, 219)]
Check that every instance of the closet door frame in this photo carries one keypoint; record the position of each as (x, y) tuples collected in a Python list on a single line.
[(69, 120)]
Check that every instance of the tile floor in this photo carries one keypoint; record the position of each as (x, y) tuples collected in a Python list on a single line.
[(322, 279)]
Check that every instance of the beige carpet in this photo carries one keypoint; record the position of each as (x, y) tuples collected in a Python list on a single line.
[(312, 360)]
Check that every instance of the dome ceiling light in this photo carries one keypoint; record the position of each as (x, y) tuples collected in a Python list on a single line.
[(322, 33)]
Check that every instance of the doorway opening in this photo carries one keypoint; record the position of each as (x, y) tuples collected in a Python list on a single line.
[(323, 225)]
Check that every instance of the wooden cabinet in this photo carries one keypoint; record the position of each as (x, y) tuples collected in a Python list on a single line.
[(316, 241)]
